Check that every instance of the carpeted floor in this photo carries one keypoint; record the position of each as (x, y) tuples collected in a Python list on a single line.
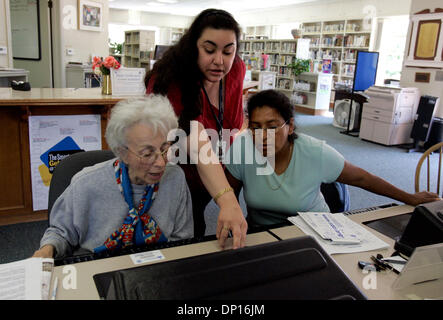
[(391, 163), (19, 241)]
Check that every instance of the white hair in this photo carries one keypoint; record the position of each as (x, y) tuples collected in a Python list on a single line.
[(154, 111)]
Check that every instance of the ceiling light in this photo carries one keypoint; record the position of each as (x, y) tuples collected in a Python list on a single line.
[(168, 1)]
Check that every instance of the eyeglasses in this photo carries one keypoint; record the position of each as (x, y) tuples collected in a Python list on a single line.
[(149, 157), (255, 130)]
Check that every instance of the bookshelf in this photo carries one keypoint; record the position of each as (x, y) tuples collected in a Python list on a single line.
[(310, 91), (281, 53), (138, 48), (339, 40)]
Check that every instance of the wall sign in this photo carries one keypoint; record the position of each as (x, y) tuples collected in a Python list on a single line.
[(422, 77)]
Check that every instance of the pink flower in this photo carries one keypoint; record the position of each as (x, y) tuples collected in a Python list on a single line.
[(105, 66), (109, 62), (96, 62)]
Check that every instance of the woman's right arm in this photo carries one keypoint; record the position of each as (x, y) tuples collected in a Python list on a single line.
[(231, 217), (60, 237), (46, 251)]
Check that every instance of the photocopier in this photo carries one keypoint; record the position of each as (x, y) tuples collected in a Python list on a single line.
[(389, 114)]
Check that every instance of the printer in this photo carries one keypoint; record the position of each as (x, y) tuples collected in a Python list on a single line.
[(389, 115)]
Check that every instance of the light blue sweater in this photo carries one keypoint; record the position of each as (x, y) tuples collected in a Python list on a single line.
[(92, 208)]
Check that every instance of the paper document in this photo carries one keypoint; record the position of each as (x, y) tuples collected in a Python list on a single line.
[(330, 227), (128, 81), (367, 241), (26, 279)]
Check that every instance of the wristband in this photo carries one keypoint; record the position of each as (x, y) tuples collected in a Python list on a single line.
[(222, 192)]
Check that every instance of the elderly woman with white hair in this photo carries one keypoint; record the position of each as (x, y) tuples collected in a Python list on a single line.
[(138, 198)]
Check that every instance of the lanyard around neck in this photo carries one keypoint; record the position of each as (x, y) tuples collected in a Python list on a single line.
[(219, 119)]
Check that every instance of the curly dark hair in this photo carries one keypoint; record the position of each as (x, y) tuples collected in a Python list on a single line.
[(179, 63), (275, 100)]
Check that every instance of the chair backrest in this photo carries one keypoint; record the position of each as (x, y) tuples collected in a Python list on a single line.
[(426, 155), (336, 195), (68, 167)]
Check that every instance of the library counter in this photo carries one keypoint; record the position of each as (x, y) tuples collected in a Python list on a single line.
[(15, 109)]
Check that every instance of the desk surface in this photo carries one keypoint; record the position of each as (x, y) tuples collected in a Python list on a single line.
[(57, 96), (348, 263), (384, 279), (86, 289)]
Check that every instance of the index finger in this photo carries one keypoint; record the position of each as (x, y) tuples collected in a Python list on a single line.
[(237, 235), (222, 237)]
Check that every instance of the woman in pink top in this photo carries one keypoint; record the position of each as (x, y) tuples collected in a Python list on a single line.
[(202, 76)]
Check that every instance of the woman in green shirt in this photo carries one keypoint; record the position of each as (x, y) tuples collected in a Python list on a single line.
[(281, 171)]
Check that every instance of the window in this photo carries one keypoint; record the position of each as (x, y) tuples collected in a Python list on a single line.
[(392, 47)]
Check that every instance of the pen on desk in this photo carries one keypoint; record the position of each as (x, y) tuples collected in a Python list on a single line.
[(54, 288), (384, 265), (394, 261)]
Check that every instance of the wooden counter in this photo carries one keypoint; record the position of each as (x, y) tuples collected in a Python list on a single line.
[(15, 108)]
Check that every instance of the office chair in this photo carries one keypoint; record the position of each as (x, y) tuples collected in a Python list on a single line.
[(336, 195), (426, 155), (65, 170)]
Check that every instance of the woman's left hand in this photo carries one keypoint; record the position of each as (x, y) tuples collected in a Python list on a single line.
[(422, 197)]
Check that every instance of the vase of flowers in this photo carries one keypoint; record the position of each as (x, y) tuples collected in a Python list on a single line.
[(103, 68)]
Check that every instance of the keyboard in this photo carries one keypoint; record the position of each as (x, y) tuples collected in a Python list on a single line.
[(129, 250), (357, 211)]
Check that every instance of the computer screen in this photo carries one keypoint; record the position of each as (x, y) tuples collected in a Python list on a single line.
[(365, 70), (160, 50), (392, 227), (296, 268)]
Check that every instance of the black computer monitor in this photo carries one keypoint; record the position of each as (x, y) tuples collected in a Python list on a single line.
[(297, 268), (424, 228), (160, 50)]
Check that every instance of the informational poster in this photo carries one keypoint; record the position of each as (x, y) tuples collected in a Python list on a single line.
[(128, 81), (53, 138)]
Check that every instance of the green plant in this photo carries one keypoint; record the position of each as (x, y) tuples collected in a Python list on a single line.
[(117, 47), (299, 66)]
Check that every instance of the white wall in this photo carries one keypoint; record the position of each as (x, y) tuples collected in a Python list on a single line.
[(123, 20), (5, 34), (433, 88), (67, 35), (148, 19)]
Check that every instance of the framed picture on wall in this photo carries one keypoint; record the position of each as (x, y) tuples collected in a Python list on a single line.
[(425, 47), (90, 15)]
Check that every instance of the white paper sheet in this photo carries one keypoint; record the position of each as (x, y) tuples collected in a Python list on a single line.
[(331, 227), (368, 242), (26, 279), (128, 81)]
